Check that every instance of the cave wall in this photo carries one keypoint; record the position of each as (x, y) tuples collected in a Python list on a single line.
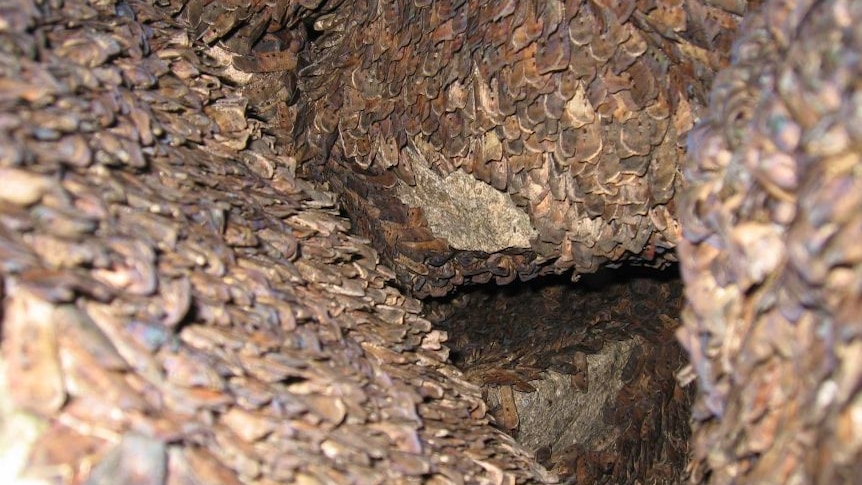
[(180, 307), (583, 376), (575, 111), (771, 218)]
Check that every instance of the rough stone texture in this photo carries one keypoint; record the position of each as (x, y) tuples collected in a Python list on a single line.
[(560, 414), (466, 212), (583, 376), (575, 110), (772, 216), (179, 308)]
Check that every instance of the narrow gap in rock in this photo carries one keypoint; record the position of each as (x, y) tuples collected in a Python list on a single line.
[(582, 374)]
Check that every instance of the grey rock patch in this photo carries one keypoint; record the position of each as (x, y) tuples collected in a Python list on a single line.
[(557, 415), (469, 213)]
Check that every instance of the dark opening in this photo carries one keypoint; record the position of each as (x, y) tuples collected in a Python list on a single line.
[(582, 374)]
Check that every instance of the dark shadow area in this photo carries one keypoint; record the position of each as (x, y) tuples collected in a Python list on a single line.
[(581, 373)]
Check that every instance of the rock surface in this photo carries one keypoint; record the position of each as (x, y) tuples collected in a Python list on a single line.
[(178, 308), (576, 111), (181, 307), (583, 376), (771, 218)]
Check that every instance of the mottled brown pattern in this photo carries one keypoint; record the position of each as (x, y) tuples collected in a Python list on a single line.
[(508, 338), (577, 110), (177, 307), (771, 260), (180, 307)]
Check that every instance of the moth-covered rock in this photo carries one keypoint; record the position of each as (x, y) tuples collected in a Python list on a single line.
[(178, 307), (771, 220), (575, 112)]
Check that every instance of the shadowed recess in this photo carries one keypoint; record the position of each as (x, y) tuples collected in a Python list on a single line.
[(581, 374)]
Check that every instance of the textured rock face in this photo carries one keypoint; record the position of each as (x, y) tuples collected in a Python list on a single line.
[(178, 308), (576, 111), (584, 376), (771, 219)]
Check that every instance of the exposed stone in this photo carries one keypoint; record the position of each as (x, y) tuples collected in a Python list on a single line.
[(467, 213), (583, 376), (184, 301), (771, 253), (574, 111)]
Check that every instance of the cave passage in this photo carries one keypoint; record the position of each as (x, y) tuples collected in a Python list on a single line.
[(582, 374)]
